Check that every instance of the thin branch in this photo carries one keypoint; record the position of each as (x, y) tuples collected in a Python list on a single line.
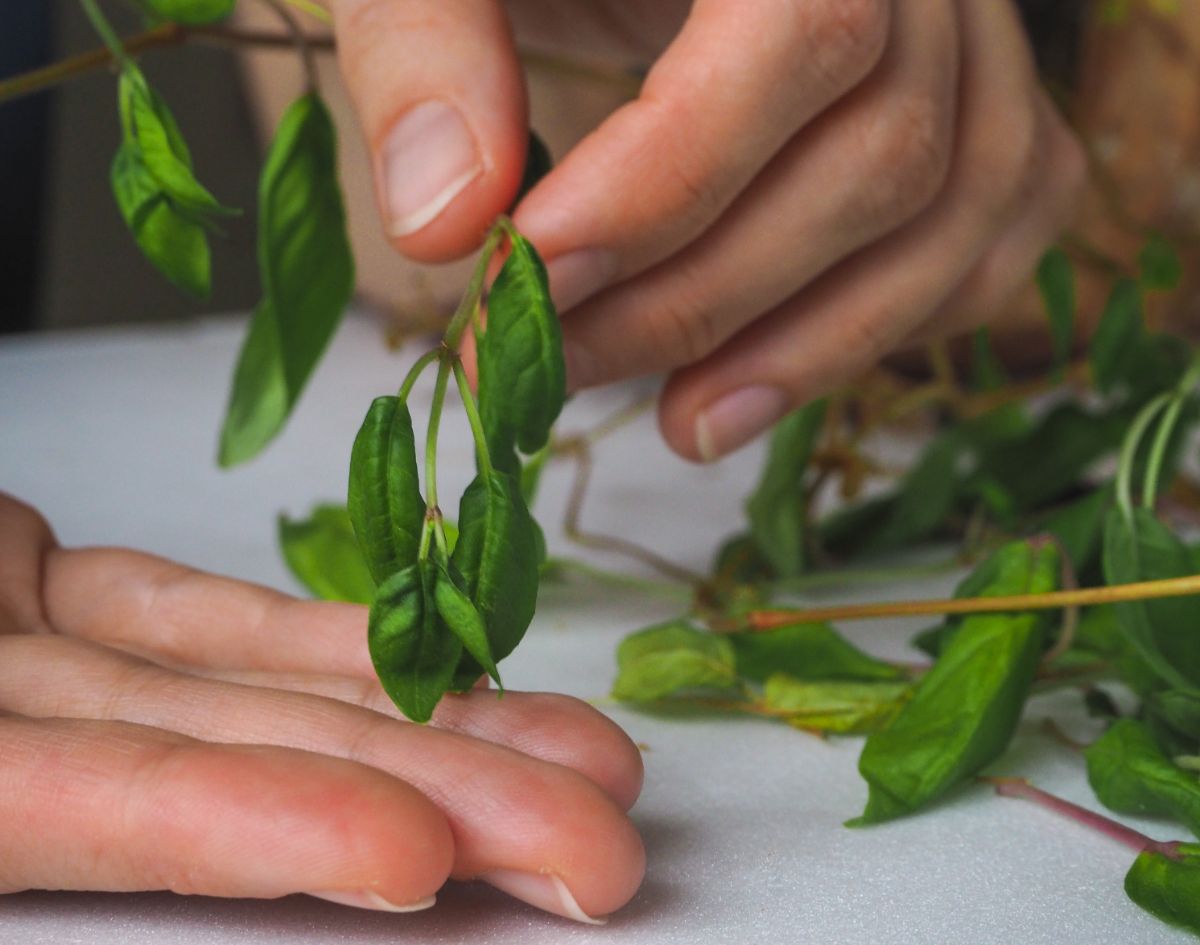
[(1052, 600), (299, 41)]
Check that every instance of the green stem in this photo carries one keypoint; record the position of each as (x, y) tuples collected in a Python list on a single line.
[(670, 589), (1162, 438), (468, 400), (431, 436), (470, 300), (415, 371), (1129, 448), (105, 31)]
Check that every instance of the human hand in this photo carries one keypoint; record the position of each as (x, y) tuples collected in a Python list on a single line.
[(161, 728), (799, 188)]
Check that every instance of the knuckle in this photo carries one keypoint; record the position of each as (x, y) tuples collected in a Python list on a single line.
[(846, 38), (684, 328), (910, 149), (1007, 176)]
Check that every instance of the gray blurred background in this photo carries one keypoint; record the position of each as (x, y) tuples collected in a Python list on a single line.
[(66, 259)]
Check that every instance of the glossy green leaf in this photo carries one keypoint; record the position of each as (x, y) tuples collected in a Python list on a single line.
[(1131, 775), (1168, 889), (778, 508), (173, 241), (1118, 336), (806, 651), (1165, 633), (497, 556), (1159, 265), (384, 499), (1056, 284), (671, 658), (465, 622), (191, 12), (323, 554), (149, 127), (414, 653), (842, 708), (307, 274), (965, 709), (522, 377)]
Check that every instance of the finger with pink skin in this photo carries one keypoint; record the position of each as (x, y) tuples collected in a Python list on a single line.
[(852, 316), (111, 806), (871, 163)]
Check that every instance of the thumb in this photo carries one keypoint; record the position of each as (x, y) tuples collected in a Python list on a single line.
[(441, 99)]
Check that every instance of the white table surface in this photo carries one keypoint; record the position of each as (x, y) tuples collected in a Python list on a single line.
[(112, 435)]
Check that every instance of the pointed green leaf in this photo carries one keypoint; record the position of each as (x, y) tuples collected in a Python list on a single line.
[(522, 377), (384, 498), (843, 708), (1118, 336), (497, 556), (1168, 889), (323, 554), (1130, 775), (1164, 633), (671, 658), (965, 709), (465, 622), (806, 651), (778, 508), (192, 12), (415, 655), (307, 274), (1056, 283)]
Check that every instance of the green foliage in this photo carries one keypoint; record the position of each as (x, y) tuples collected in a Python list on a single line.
[(965, 709), (307, 276), (1160, 266), (1118, 336), (806, 651), (672, 658), (841, 708), (1056, 283), (384, 499), (166, 209), (323, 553), (191, 12), (520, 353), (415, 654), (1167, 888), (778, 508), (1130, 775)]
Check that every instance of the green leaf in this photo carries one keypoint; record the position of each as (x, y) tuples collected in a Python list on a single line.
[(987, 373), (778, 508), (1130, 775), (415, 655), (1079, 526), (191, 12), (1180, 708), (1168, 889), (307, 274), (323, 554), (149, 127), (1056, 283), (1118, 336), (173, 241), (670, 658), (843, 708), (806, 651), (1159, 265), (522, 377), (965, 709), (497, 556), (465, 622), (384, 497), (1165, 632)]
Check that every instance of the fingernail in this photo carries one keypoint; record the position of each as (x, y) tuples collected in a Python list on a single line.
[(543, 890), (578, 275), (366, 899), (738, 418), (427, 159)]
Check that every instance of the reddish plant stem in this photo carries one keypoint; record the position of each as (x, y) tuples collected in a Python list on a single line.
[(1135, 840)]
